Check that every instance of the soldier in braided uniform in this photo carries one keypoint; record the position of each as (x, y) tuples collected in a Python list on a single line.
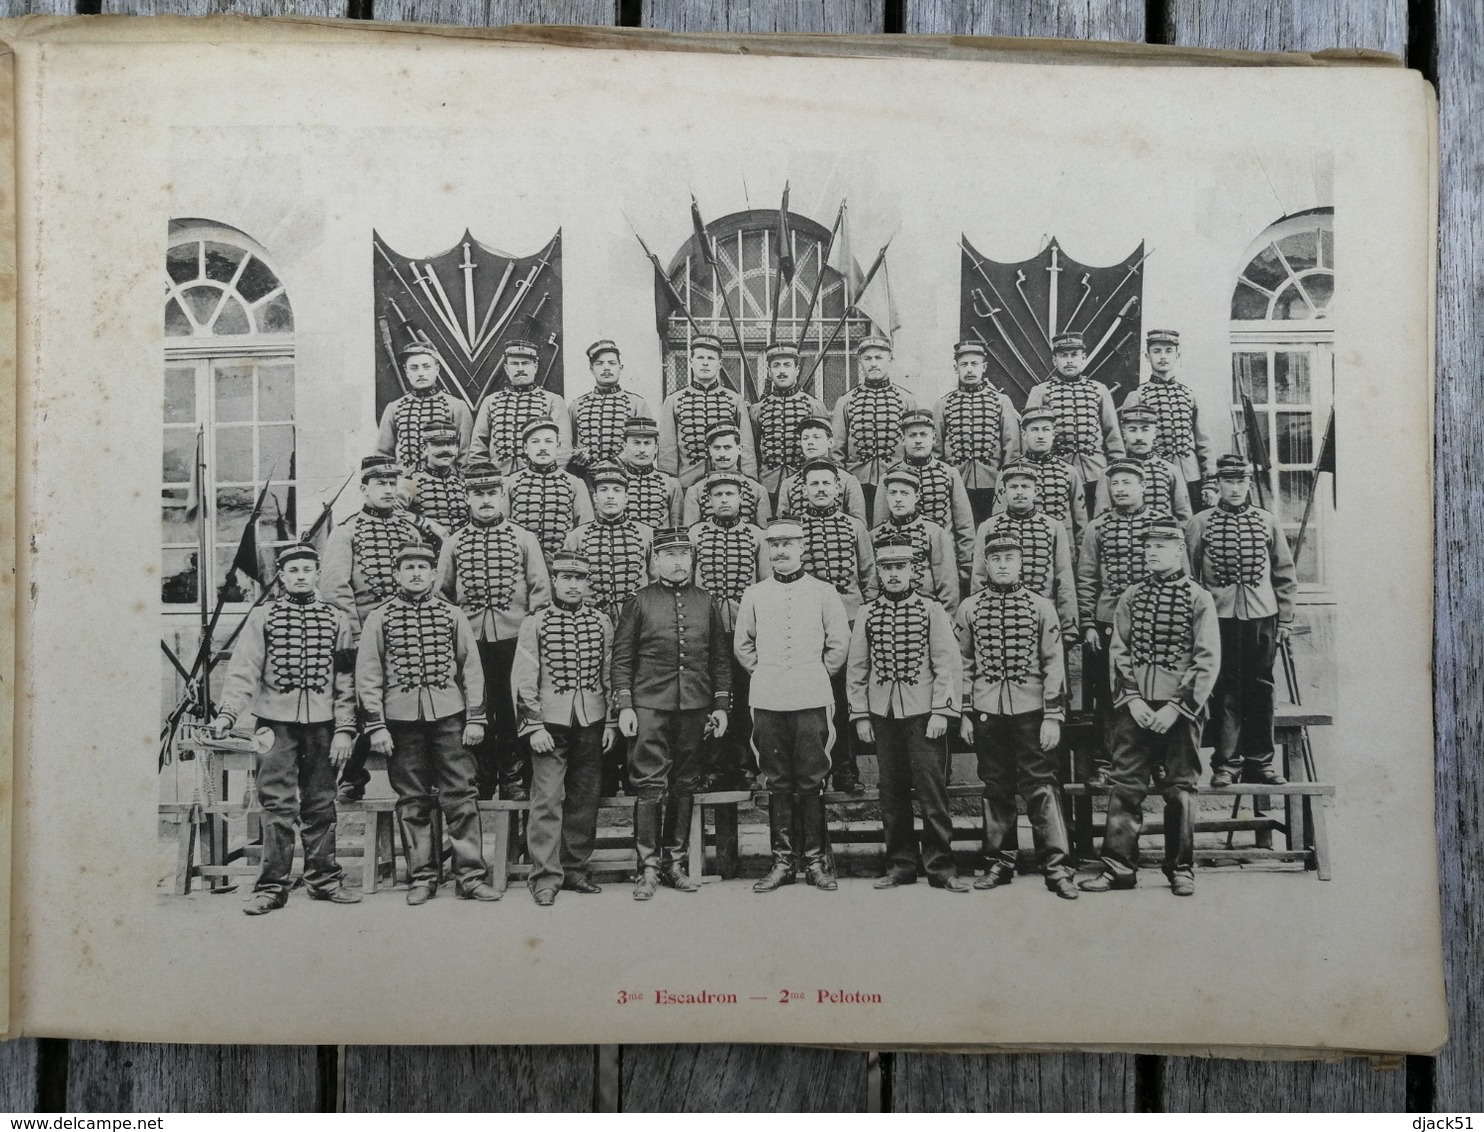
[(599, 415), (776, 417), (293, 668), (1086, 427), (1112, 559), (1045, 556), (943, 498), (978, 427), (1240, 554), (1182, 438), (903, 676), (1166, 648), (436, 489), (560, 677), (499, 427), (403, 421), (422, 690), (1164, 490), (792, 635), (837, 550), (1060, 490), (688, 414), (730, 556), (544, 498), (359, 573), (724, 454), (495, 572), (816, 442), (1014, 705), (654, 497), (868, 419), (671, 685), (935, 567)]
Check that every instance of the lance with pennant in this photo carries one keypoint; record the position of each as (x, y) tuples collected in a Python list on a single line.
[(709, 254), (785, 274), (824, 259)]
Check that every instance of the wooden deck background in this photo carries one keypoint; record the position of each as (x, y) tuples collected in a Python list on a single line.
[(1442, 38)]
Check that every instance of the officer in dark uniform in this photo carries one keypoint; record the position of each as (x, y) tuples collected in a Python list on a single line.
[(671, 679)]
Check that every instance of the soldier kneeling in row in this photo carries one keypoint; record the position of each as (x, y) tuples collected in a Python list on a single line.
[(1014, 704), (671, 680), (560, 680), (422, 691), (903, 678), (293, 668), (1164, 655)]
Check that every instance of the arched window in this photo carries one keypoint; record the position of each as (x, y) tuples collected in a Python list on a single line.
[(747, 257), (1282, 341), (229, 377)]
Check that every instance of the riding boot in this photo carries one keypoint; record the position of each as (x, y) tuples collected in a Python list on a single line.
[(819, 868), (647, 813), (673, 874), (780, 839)]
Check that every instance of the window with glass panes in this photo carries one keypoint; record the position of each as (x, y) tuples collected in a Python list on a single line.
[(1282, 343), (229, 378), (747, 255)]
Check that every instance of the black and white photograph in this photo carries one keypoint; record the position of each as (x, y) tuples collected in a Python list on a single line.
[(858, 566)]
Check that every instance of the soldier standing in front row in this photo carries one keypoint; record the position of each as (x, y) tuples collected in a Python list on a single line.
[(1165, 653), (903, 677), (499, 426), (1014, 705), (792, 636), (671, 682), (599, 415), (730, 556), (689, 413), (776, 417), (978, 428), (1240, 554), (293, 668), (424, 404), (560, 679), (495, 572), (1087, 433), (1181, 438), (868, 420), (545, 499), (422, 690)]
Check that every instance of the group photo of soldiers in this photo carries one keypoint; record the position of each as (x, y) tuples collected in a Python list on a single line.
[(555, 603)]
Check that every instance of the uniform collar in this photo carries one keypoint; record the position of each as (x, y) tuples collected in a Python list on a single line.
[(1027, 514), (1230, 510), (978, 387), (637, 469), (616, 521), (897, 599), (424, 394), (876, 383), (566, 606), (608, 390), (898, 521), (414, 599), (550, 469), (714, 383), (918, 461), (377, 512), (669, 585), (787, 578), (489, 526), (727, 524), (995, 587), (299, 599), (1169, 576), (1132, 513), (822, 512)]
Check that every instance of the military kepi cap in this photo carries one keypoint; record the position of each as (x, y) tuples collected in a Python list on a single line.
[(1137, 414), (609, 473), (667, 537), (482, 475), (1037, 414), (1163, 528), (781, 350), (918, 417), (723, 428), (602, 346), (819, 466), (721, 479), (891, 548), (1000, 543), (440, 433), (534, 426), (902, 474), (416, 552), (641, 426), (1067, 342), (873, 342), (705, 342), (295, 551), (780, 529), (1232, 468), (570, 562), (969, 349), (412, 349), (378, 467), (520, 348), (1131, 467), (1017, 468), (1162, 337), (814, 422)]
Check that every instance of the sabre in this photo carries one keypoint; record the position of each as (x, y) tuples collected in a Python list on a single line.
[(1111, 353), (447, 309), (420, 336), (993, 314), (1127, 275), (1004, 369), (1133, 301), (976, 296), (433, 304), (523, 288), (1054, 271), (1086, 290), (408, 288), (979, 267), (532, 317), (467, 267), (1020, 286), (500, 290), (391, 354)]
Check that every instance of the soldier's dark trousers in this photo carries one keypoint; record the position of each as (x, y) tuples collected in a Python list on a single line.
[(664, 774), (910, 763), (503, 759), (868, 494), (1242, 702), (429, 757), (1008, 750), (296, 785), (1136, 752), (1099, 691), (844, 773), (563, 823), (792, 749), (354, 775), (1197, 502), (730, 757), (981, 503)]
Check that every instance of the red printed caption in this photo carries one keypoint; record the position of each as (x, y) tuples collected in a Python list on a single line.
[(782, 997)]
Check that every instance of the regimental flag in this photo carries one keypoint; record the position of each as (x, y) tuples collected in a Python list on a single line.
[(467, 302), (1325, 462), (785, 242), (197, 506), (1015, 309)]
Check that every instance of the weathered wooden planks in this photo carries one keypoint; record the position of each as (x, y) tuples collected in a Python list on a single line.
[(741, 1078), (140, 1077), (1067, 19), (1049, 1082), (1458, 1078), (470, 1078), (848, 16), (19, 1076), (1288, 25), (494, 13)]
